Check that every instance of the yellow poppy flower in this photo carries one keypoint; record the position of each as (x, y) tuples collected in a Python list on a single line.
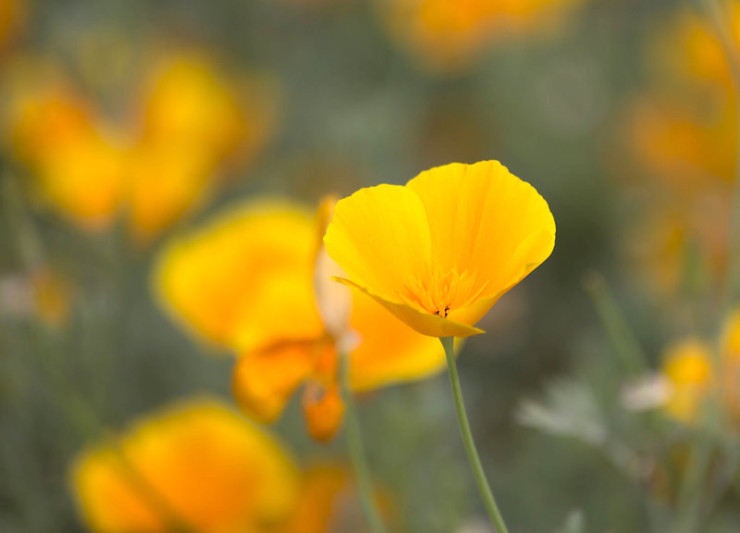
[(439, 252), (196, 465), (245, 282)]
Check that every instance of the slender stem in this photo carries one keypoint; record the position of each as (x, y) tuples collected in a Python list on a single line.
[(622, 339), (689, 498), (357, 451), (467, 437)]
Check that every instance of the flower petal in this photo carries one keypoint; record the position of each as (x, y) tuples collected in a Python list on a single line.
[(424, 323), (231, 281), (389, 350), (264, 381), (380, 237), (486, 221), (199, 465)]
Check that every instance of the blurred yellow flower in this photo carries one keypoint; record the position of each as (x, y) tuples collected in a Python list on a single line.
[(688, 366), (196, 465), (439, 252), (79, 162), (192, 122), (448, 35), (693, 372), (245, 282)]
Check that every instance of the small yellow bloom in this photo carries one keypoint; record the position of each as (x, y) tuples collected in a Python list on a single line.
[(197, 465), (439, 252), (245, 282), (689, 368), (694, 372)]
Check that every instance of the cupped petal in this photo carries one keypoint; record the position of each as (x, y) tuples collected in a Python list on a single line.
[(264, 381), (243, 281), (380, 237), (166, 181), (388, 350), (421, 321), (485, 221)]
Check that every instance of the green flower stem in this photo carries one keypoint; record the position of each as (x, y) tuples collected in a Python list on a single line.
[(622, 339), (357, 451), (467, 437)]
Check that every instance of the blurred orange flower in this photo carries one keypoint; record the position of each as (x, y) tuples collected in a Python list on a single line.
[(77, 159), (192, 122), (448, 35), (683, 132), (246, 282), (196, 465), (12, 13), (439, 252)]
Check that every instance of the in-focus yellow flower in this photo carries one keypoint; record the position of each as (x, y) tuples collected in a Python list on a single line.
[(245, 282), (439, 252), (197, 465), (448, 35)]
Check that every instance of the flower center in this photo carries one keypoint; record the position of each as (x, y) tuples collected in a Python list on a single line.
[(440, 291)]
